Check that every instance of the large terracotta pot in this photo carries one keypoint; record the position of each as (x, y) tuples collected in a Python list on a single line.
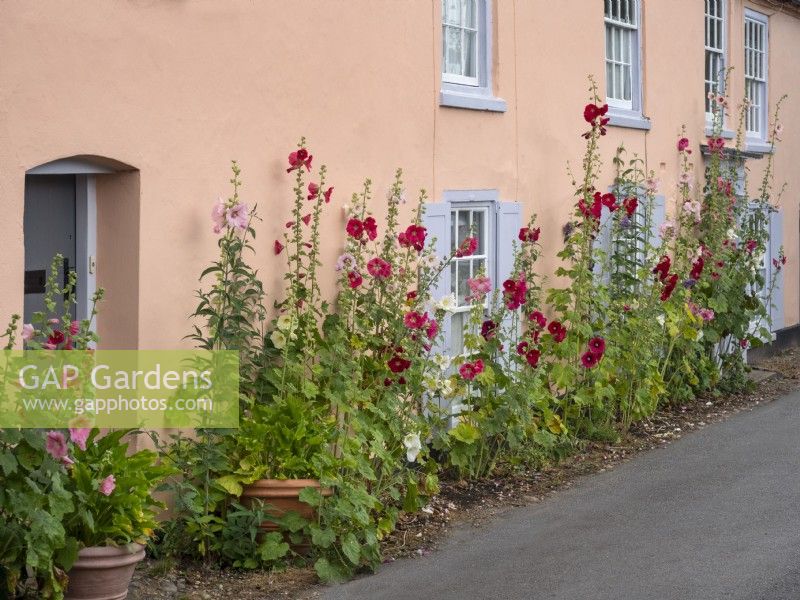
[(281, 496), (103, 572)]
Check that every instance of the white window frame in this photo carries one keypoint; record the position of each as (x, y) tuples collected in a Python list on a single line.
[(458, 91), (626, 113), (457, 78), (756, 77), (721, 51)]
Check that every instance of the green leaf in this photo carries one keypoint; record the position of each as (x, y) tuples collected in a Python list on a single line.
[(273, 547), (465, 432), (351, 548), (8, 463), (231, 484), (322, 538), (310, 495), (328, 572)]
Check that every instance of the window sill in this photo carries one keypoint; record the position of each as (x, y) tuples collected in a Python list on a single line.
[(619, 117), (758, 146), (472, 101), (727, 134)]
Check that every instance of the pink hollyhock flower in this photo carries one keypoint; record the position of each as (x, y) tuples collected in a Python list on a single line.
[(278, 247), (28, 332), (327, 194), (56, 444), (589, 359), (398, 364), (414, 320), (470, 370), (237, 216), (488, 329), (532, 356), (299, 159), (479, 286), (74, 327), (107, 485), (538, 318), (79, 436), (433, 329), (371, 227), (526, 234), (354, 279), (313, 191), (355, 228), (716, 144), (413, 237), (379, 268), (467, 247), (662, 268), (683, 144), (597, 345), (218, 216)]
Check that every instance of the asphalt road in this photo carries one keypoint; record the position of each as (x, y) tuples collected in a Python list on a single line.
[(715, 514)]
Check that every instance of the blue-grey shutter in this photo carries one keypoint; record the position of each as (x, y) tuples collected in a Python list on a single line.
[(776, 275), (437, 222), (507, 226), (658, 214)]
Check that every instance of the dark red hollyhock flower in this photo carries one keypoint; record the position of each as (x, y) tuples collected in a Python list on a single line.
[(560, 335), (744, 343), (470, 370), (714, 275), (683, 144), (597, 345), (56, 338), (532, 356), (662, 268), (298, 159), (526, 234), (589, 359), (514, 293), (371, 227), (327, 194), (488, 329), (557, 331), (669, 286), (278, 247), (750, 245), (355, 228), (313, 191), (411, 295), (697, 268), (590, 113), (387, 382), (538, 318), (306, 218), (720, 263), (414, 320), (554, 327), (522, 347), (354, 279), (630, 205), (413, 237), (716, 144), (379, 268), (433, 329), (609, 200), (398, 364), (536, 336), (467, 247)]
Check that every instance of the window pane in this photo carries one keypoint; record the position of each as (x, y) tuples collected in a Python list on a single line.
[(457, 322), (478, 219), (470, 53), (478, 266), (452, 42), (463, 226), (471, 14), (462, 291), (453, 278)]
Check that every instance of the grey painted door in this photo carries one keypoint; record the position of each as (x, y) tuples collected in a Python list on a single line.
[(49, 226)]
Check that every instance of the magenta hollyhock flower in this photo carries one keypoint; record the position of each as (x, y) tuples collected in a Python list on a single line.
[(74, 327), (299, 159), (514, 293), (470, 370), (56, 444), (522, 347), (237, 216), (379, 268), (526, 234), (662, 268), (538, 318), (414, 320), (371, 227), (306, 218), (28, 332), (313, 191), (107, 485), (354, 279), (327, 194), (630, 205), (597, 345), (413, 237), (433, 329), (467, 247), (697, 268), (669, 286), (532, 356), (56, 338), (589, 359), (79, 436), (278, 247), (355, 228), (750, 245), (683, 144)]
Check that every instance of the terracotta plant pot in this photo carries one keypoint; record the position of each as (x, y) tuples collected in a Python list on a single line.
[(103, 572), (281, 496)]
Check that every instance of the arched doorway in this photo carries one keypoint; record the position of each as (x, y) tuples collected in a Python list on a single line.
[(61, 218)]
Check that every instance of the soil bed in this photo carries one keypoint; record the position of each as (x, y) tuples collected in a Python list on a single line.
[(474, 502)]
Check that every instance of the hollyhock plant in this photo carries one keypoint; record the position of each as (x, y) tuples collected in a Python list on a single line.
[(398, 364), (313, 191), (630, 205), (683, 145), (522, 347), (514, 293), (218, 216), (277, 247), (413, 237), (345, 261), (432, 329), (28, 332), (237, 217), (355, 228), (669, 287), (750, 245), (56, 445), (697, 268), (79, 436), (371, 227)]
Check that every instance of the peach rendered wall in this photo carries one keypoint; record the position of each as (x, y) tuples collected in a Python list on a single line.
[(177, 88)]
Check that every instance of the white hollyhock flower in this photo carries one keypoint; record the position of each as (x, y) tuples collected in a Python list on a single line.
[(413, 446), (446, 387), (447, 303), (278, 339), (699, 335), (285, 323), (442, 361), (661, 320)]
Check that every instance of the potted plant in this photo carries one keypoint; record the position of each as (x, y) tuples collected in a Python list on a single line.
[(114, 510)]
